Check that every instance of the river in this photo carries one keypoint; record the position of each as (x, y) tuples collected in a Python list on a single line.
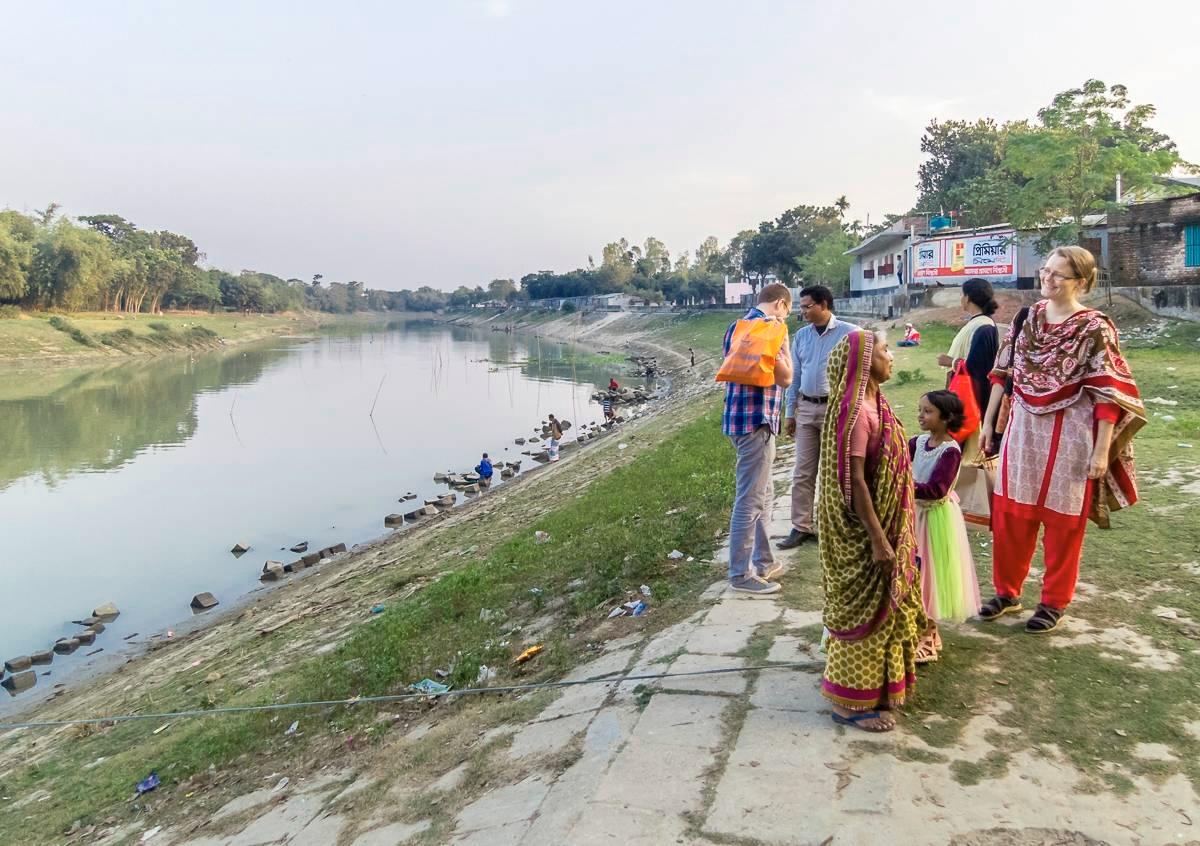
[(130, 483)]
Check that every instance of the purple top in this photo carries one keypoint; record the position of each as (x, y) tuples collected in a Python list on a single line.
[(945, 472)]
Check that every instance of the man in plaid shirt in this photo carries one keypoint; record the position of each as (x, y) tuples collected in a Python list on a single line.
[(751, 421)]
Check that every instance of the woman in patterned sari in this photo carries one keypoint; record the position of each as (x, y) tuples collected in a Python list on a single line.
[(873, 605), (1067, 452)]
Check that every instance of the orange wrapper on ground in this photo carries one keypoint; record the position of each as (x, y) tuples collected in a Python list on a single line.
[(528, 653)]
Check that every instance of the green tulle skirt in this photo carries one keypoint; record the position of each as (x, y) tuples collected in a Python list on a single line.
[(949, 586)]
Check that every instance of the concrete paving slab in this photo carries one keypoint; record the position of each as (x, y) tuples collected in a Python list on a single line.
[(789, 648), (607, 824), (511, 834), (794, 619), (720, 640), (789, 690), (320, 832), (245, 802), (451, 780), (729, 683), (656, 777), (391, 835), (678, 719), (542, 738), (285, 821), (730, 612), (504, 805)]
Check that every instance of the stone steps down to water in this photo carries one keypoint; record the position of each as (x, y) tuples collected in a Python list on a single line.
[(24, 677)]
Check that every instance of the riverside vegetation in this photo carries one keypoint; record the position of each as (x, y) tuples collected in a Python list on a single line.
[(478, 589)]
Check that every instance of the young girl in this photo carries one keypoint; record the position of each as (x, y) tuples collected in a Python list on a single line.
[(948, 583)]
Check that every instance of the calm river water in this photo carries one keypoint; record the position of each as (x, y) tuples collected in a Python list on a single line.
[(130, 483)]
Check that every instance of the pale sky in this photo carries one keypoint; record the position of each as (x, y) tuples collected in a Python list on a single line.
[(448, 143)]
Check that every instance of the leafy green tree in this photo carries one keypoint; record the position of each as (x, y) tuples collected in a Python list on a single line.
[(828, 263), (958, 153), (501, 289), (16, 254), (1069, 160)]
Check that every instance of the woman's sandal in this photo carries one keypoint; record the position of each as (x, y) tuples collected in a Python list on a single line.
[(927, 650), (1045, 620), (857, 719), (998, 606)]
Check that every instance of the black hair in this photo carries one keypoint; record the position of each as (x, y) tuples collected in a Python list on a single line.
[(949, 406), (979, 291), (819, 294), (485, 455)]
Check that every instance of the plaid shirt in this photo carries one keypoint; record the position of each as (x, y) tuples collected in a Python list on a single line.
[(746, 406)]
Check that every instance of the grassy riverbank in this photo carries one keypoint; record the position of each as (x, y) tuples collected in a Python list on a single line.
[(477, 589), (40, 339)]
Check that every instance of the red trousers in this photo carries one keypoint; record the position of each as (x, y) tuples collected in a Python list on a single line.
[(1015, 541)]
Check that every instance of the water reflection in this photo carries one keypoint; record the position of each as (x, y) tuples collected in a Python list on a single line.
[(130, 483)]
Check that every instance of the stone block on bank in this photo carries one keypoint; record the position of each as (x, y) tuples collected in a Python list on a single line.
[(272, 572), (311, 559), (108, 611), (393, 521), (96, 627), (294, 566), (300, 547), (204, 601), (519, 442), (240, 548), (40, 659), (414, 516), (20, 682), (409, 495), (66, 645), (471, 489), (86, 637), (441, 477), (336, 548), (19, 663)]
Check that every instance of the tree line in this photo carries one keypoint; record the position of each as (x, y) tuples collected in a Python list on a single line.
[(1048, 174)]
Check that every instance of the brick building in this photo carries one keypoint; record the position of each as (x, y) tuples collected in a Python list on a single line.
[(1156, 243)]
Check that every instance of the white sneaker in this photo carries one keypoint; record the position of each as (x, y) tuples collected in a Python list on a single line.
[(754, 586)]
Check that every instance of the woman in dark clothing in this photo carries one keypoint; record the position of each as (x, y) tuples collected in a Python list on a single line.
[(976, 344)]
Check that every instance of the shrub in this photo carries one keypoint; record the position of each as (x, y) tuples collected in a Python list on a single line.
[(201, 333), (568, 308), (159, 326), (9, 312), (910, 377), (77, 334), (121, 339)]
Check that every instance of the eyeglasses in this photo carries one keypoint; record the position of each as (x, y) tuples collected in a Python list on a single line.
[(1045, 271)]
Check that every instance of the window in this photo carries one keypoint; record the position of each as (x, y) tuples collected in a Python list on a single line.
[(1191, 254)]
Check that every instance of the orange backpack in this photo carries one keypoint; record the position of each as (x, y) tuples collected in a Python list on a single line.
[(752, 352)]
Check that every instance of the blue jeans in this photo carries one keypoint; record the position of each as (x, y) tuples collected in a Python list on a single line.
[(749, 548)]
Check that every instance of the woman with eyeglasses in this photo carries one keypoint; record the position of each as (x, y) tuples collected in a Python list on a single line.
[(1066, 454)]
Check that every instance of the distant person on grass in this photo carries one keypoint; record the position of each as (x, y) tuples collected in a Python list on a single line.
[(806, 403), (912, 338), (751, 421)]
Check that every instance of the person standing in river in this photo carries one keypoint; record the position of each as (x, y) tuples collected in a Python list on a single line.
[(806, 403), (556, 434)]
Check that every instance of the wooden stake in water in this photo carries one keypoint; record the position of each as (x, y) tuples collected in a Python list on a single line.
[(377, 392)]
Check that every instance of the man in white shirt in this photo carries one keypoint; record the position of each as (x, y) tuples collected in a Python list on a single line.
[(805, 403)]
